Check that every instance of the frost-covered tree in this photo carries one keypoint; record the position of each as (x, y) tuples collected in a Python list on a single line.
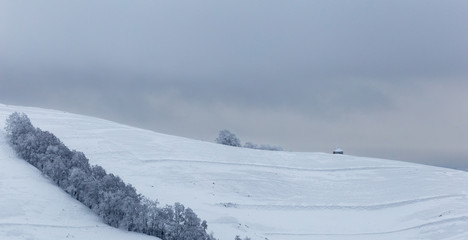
[(18, 124), (239, 238), (204, 225), (185, 224), (78, 187), (250, 145), (270, 148), (153, 219), (262, 147), (79, 160), (227, 138)]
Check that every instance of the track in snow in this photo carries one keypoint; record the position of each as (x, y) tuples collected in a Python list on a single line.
[(44, 225), (275, 166), (339, 207), (444, 221)]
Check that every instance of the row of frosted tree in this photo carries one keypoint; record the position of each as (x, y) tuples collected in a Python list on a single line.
[(106, 194), (226, 137)]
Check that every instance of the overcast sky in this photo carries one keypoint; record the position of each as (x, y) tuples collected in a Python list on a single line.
[(378, 78)]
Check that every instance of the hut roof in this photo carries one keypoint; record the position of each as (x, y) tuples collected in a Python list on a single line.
[(337, 149)]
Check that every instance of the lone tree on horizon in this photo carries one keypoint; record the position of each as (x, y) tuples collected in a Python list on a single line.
[(226, 137)]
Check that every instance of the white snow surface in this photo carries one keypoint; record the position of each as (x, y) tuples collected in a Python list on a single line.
[(261, 194)]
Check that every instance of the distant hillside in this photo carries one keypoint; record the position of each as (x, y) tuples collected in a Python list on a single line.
[(245, 192)]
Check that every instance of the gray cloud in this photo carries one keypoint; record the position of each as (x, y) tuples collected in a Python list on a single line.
[(379, 78)]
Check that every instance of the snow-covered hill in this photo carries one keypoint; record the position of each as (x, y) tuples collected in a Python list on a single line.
[(260, 194)]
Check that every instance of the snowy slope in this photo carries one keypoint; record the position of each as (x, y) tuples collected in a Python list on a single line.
[(31, 207), (260, 194)]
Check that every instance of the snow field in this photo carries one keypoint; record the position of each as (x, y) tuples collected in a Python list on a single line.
[(260, 194)]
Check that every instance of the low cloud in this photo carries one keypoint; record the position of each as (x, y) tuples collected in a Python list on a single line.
[(382, 79)]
